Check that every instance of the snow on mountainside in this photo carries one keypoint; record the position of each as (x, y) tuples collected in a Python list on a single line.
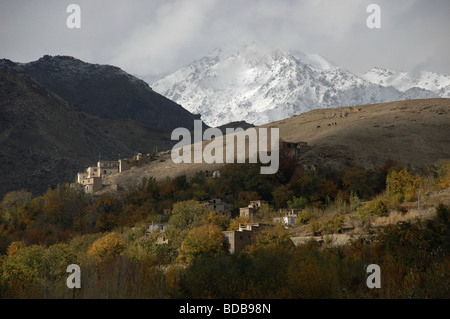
[(404, 81), (261, 84)]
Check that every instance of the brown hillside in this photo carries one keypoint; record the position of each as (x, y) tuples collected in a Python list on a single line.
[(414, 132)]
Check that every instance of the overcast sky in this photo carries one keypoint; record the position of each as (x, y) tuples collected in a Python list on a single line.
[(158, 36)]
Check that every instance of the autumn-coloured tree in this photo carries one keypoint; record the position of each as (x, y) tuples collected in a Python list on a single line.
[(244, 198), (185, 216), (276, 237), (281, 195), (23, 271), (111, 244), (443, 174), (188, 214), (15, 247), (403, 185), (355, 180), (206, 240)]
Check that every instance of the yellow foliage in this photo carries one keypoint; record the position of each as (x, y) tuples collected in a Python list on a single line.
[(374, 208), (235, 222), (14, 247), (204, 240), (443, 174), (109, 245), (402, 185)]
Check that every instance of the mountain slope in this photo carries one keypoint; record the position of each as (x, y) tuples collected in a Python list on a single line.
[(104, 91), (45, 141), (260, 84), (413, 133)]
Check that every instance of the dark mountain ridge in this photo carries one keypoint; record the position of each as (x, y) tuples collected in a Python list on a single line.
[(44, 140), (104, 91)]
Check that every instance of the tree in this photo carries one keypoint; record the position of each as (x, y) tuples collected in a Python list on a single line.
[(188, 214), (244, 198), (14, 247), (15, 199), (355, 180), (265, 213), (443, 174), (22, 271), (276, 237), (62, 205), (281, 195), (298, 203), (374, 208), (11, 204), (111, 244), (403, 185), (185, 216), (328, 190), (206, 240)]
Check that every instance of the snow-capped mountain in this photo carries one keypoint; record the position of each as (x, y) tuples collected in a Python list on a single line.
[(404, 81), (261, 84)]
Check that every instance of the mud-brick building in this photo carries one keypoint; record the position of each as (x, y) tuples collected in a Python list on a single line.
[(91, 184), (91, 178), (294, 149), (244, 236), (219, 206), (252, 208), (108, 167), (287, 217)]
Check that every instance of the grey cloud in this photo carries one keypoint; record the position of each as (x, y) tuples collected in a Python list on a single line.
[(157, 36)]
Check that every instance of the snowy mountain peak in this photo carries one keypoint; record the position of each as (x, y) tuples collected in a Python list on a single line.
[(404, 81), (316, 61), (260, 84)]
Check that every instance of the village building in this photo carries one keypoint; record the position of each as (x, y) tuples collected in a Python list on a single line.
[(288, 217), (161, 229), (250, 211), (246, 235), (93, 171), (293, 149), (108, 167), (219, 207), (247, 212), (91, 178), (81, 176), (137, 160), (91, 184)]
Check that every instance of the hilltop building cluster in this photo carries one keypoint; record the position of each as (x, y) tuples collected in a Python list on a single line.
[(92, 177)]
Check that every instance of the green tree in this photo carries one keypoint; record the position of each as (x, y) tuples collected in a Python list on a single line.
[(298, 203)]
